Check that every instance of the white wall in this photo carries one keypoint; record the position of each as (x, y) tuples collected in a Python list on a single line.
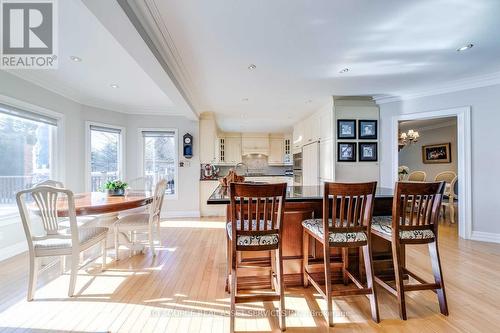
[(411, 155), (12, 239), (485, 118)]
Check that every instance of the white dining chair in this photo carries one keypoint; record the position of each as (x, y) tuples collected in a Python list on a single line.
[(417, 176), (139, 186), (54, 240), (450, 198), (50, 182), (142, 222)]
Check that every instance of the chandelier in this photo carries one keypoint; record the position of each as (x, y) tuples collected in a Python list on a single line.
[(407, 138)]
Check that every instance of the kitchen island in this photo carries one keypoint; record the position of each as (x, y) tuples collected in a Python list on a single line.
[(305, 202)]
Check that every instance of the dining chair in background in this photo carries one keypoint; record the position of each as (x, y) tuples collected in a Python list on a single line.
[(417, 176), (55, 240), (347, 216)]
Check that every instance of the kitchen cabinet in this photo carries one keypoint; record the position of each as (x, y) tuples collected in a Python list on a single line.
[(255, 144), (276, 151), (208, 138), (311, 128), (233, 150), (287, 149), (326, 124), (207, 187), (298, 137), (326, 160)]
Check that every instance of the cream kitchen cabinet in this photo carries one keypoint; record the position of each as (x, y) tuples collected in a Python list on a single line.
[(228, 150), (298, 137), (207, 187), (326, 124), (311, 128), (255, 144), (326, 160), (276, 151)]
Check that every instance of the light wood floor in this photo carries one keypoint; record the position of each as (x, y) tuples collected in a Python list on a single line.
[(182, 290)]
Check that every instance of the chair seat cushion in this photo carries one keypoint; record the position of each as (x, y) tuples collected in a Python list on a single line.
[(253, 240), (85, 235), (383, 224), (315, 226), (134, 220)]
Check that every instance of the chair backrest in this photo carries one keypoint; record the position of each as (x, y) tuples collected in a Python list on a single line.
[(417, 176), (157, 203), (454, 187), (50, 182), (416, 206), (446, 176), (349, 207), (140, 184), (257, 209), (46, 202)]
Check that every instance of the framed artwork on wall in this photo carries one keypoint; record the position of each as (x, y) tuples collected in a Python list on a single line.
[(346, 152), (438, 153), (368, 152), (346, 129), (367, 129)]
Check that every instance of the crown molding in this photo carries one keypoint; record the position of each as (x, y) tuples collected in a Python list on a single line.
[(449, 87), (99, 103)]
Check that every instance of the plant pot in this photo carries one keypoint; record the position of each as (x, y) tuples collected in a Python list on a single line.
[(117, 192)]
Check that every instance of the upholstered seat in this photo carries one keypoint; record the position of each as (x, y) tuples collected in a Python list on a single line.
[(383, 224), (316, 227), (86, 237), (253, 240)]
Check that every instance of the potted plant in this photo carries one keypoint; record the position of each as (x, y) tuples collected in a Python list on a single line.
[(403, 172), (116, 187)]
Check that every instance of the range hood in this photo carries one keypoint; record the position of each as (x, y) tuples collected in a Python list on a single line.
[(254, 144)]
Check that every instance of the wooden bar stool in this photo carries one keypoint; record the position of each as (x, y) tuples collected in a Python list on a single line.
[(256, 225), (415, 214), (351, 207)]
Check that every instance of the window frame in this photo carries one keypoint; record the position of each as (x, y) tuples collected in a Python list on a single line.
[(140, 168), (57, 147), (121, 151)]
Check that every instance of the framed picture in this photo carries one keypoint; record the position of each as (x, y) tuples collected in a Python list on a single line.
[(346, 129), (368, 152), (346, 152), (367, 129), (439, 153)]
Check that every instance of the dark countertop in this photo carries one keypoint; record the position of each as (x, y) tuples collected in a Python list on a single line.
[(252, 176), (293, 193)]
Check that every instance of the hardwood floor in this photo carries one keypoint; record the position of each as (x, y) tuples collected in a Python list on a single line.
[(182, 290)]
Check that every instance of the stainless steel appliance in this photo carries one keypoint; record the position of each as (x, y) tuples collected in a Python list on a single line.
[(297, 169)]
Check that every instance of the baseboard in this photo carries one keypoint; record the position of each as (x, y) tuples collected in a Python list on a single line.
[(180, 213), (485, 237), (12, 250)]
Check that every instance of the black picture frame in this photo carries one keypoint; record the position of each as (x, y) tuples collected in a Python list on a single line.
[(342, 153), (341, 126), (368, 151), (367, 129)]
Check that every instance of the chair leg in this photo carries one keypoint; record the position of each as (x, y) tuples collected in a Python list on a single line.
[(274, 269), (228, 262), (151, 241), (232, 314), (63, 264), (281, 288), (32, 277), (328, 284), (305, 258), (398, 272), (117, 246), (367, 255), (74, 272), (132, 237), (452, 210), (345, 265), (104, 245), (158, 231), (438, 277)]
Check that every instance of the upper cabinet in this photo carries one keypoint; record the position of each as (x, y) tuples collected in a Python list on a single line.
[(255, 143), (276, 151), (298, 137), (228, 148), (316, 127)]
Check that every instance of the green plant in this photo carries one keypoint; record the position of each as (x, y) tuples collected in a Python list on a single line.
[(115, 185)]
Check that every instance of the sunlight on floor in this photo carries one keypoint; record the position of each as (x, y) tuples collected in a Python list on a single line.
[(193, 224)]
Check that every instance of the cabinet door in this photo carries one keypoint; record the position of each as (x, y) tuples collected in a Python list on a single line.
[(276, 150), (233, 150), (326, 124), (326, 160), (298, 136)]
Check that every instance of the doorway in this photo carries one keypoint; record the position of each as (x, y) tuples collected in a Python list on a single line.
[(460, 118)]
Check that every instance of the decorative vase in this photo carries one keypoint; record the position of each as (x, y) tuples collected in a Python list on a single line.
[(117, 192)]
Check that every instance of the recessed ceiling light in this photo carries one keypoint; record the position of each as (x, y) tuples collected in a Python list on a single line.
[(114, 86), (252, 67), (244, 99), (76, 59), (465, 47), (309, 101), (344, 70)]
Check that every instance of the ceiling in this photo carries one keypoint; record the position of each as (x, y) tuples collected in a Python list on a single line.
[(104, 62), (426, 124), (391, 47)]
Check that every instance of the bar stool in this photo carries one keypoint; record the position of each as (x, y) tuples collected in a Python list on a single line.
[(351, 207), (415, 215), (256, 225)]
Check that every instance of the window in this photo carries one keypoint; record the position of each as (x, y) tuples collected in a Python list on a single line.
[(160, 158), (27, 146), (105, 155)]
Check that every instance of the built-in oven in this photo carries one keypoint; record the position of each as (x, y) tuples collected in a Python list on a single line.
[(297, 169)]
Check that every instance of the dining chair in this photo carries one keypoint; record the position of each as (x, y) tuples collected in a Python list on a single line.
[(142, 222), (418, 225), (50, 182), (449, 198), (255, 224), (138, 185), (417, 176), (347, 216), (55, 241)]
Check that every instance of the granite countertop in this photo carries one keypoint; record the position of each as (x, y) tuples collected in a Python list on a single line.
[(220, 196), (251, 176)]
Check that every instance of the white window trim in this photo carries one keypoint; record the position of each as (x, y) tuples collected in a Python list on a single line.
[(176, 158), (121, 152), (58, 171)]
